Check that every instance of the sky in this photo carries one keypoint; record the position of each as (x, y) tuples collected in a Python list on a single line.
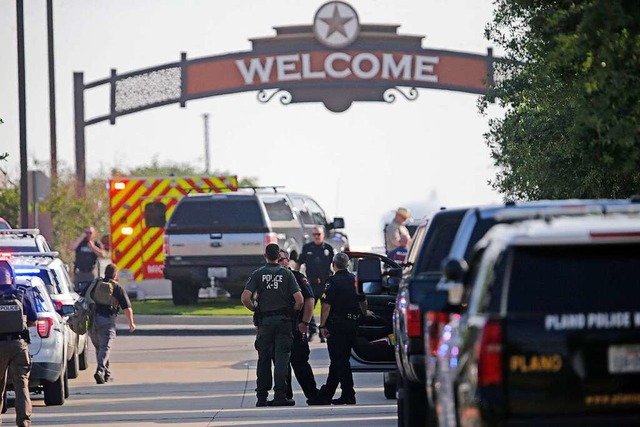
[(360, 164)]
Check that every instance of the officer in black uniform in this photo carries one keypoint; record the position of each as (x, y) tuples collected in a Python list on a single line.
[(14, 347), (317, 256), (300, 348), (341, 307), (278, 298)]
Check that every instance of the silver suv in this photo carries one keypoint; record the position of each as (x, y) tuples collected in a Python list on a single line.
[(214, 239)]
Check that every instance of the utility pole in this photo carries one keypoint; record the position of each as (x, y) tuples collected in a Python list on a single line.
[(52, 93), (22, 109), (205, 116)]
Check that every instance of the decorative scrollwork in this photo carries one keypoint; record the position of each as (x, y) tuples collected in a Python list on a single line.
[(284, 96), (390, 96)]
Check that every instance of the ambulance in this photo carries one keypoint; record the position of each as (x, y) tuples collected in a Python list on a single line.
[(139, 208)]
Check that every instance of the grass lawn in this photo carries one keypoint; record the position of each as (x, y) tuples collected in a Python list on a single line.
[(205, 307)]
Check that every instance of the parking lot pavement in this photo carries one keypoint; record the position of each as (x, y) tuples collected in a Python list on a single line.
[(205, 381)]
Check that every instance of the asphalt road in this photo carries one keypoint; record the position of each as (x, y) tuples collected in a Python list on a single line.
[(199, 381)]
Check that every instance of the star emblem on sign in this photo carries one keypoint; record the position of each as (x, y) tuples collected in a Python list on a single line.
[(336, 24)]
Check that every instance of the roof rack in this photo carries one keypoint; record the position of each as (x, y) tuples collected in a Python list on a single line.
[(21, 231), (202, 189), (256, 188), (53, 254)]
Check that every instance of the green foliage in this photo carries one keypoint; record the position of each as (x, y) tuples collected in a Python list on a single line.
[(204, 307), (10, 204), (70, 214), (571, 89)]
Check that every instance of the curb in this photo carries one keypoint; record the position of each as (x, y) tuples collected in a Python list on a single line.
[(159, 325)]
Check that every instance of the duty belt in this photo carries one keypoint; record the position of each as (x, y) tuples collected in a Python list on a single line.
[(347, 316)]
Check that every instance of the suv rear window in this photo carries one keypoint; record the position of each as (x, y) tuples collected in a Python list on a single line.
[(563, 279), (217, 215)]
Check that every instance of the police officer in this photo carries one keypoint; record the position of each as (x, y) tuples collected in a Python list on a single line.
[(103, 321), (14, 348), (300, 349), (87, 250), (317, 256), (341, 307), (278, 297)]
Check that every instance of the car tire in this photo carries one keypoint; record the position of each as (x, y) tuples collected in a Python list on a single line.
[(414, 404), (390, 386), (400, 404), (83, 359), (54, 391), (73, 365), (67, 392)]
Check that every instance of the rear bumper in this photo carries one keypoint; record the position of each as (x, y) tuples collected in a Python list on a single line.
[(44, 371), (195, 270)]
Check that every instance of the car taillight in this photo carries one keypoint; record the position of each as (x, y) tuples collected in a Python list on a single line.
[(57, 305), (435, 322), (270, 238), (489, 354), (44, 326), (414, 326)]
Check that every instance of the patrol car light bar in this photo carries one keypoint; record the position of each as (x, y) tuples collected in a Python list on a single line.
[(36, 254), (27, 271), (21, 231), (550, 212)]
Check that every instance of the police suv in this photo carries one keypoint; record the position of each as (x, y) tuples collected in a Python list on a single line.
[(551, 334)]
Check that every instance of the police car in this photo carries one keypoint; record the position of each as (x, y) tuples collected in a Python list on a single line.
[(551, 335), (53, 272), (47, 348)]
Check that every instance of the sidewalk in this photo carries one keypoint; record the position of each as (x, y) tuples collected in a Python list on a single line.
[(187, 325)]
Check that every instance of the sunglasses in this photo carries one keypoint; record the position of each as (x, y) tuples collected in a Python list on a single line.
[(282, 259), (316, 234)]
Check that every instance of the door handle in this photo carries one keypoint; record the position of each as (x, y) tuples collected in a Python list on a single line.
[(391, 304)]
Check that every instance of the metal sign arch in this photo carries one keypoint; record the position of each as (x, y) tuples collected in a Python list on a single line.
[(336, 61)]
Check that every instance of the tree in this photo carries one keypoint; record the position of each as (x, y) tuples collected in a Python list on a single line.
[(570, 86), (70, 214)]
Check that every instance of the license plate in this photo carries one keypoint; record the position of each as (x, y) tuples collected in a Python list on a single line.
[(624, 358), (217, 272)]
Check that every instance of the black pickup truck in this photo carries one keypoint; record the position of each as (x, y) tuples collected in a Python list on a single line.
[(431, 243), (551, 335)]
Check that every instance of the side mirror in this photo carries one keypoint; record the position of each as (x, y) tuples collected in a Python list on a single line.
[(337, 223), (454, 269), (67, 310), (455, 293)]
